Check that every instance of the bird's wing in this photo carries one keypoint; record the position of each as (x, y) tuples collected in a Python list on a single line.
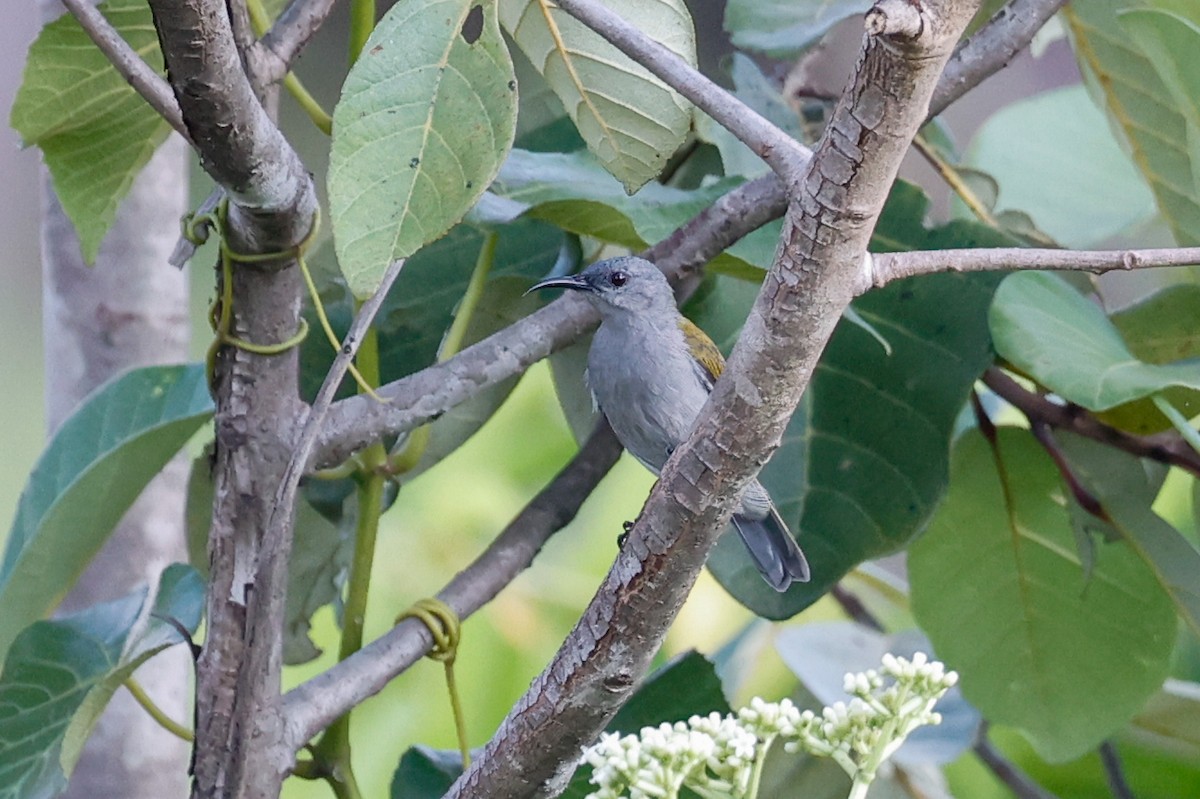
[(707, 358)]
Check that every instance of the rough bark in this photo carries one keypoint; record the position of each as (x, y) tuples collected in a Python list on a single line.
[(272, 207)]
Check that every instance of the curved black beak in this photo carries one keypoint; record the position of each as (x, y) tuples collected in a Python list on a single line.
[(569, 282)]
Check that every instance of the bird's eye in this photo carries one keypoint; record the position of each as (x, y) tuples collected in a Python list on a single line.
[(618, 279)]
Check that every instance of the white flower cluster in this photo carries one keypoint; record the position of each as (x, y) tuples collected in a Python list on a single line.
[(861, 735), (722, 756)]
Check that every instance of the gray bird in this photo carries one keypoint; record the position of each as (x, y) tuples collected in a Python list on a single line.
[(651, 370)]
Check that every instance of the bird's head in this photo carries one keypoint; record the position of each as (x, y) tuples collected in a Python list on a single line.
[(627, 284)]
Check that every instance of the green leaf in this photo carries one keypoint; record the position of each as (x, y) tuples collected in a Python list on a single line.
[(1072, 178), (95, 132), (631, 120), (785, 28), (92, 471), (425, 773), (1052, 333), (864, 461), (426, 116), (573, 192), (59, 675), (1150, 117), (1161, 328), (1121, 485), (999, 589)]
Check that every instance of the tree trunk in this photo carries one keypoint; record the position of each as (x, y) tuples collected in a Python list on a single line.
[(130, 309)]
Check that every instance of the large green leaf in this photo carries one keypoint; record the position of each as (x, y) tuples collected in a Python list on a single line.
[(864, 460), (998, 586), (92, 471), (426, 116), (630, 119), (1072, 178), (60, 674), (1066, 343), (1148, 114), (784, 28), (95, 131)]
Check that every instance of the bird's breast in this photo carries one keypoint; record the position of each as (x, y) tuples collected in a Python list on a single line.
[(647, 387)]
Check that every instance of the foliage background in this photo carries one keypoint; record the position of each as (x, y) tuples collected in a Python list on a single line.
[(447, 515)]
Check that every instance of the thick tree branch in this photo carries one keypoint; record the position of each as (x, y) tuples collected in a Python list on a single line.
[(272, 207), (780, 151), (144, 80), (239, 145), (315, 704), (1169, 447), (357, 421), (826, 232), (883, 268), (1008, 32)]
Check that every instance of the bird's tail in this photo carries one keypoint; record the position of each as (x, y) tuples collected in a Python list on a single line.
[(773, 549)]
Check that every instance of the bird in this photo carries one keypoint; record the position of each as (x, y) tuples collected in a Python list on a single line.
[(650, 370)]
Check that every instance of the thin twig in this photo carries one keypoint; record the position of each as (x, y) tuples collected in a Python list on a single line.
[(781, 152), (144, 80), (310, 707), (886, 267), (1020, 783), (1169, 447), (1115, 772)]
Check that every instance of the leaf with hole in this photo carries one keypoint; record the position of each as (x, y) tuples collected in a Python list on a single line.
[(426, 116)]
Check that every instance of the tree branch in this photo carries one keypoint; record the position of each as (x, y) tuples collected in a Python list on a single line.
[(279, 48), (144, 80), (883, 268), (1169, 447), (310, 707), (826, 231), (780, 151), (239, 145), (1020, 783), (1008, 32)]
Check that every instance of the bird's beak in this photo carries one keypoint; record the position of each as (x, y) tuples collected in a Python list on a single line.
[(569, 282)]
